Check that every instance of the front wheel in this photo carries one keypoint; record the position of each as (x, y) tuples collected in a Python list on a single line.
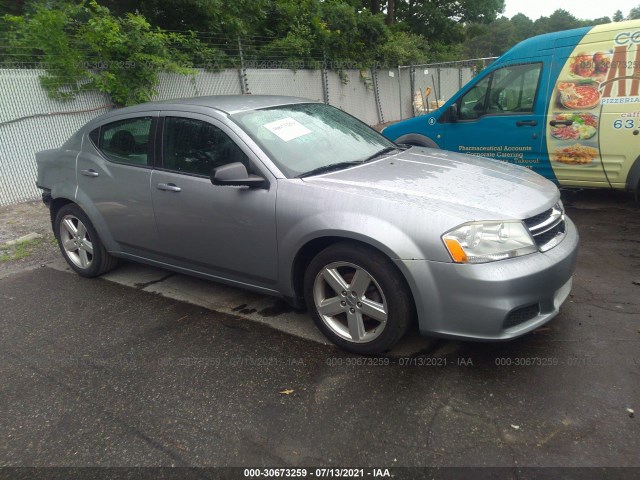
[(357, 298), (80, 244)]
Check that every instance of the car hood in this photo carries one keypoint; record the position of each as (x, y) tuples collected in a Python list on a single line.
[(463, 185)]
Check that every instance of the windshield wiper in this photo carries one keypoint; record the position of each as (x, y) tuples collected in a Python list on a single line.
[(380, 153), (329, 168), (341, 165)]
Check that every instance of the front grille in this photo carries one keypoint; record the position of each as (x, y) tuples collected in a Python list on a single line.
[(547, 228), (541, 217), (521, 315)]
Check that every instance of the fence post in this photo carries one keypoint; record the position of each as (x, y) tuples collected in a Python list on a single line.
[(376, 93), (400, 92), (325, 81), (244, 82), (412, 86)]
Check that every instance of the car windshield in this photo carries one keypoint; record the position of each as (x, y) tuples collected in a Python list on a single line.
[(310, 138)]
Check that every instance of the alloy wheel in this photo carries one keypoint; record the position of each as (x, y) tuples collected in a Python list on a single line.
[(350, 302), (76, 241)]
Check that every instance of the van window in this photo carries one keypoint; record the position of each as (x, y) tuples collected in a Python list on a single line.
[(507, 90)]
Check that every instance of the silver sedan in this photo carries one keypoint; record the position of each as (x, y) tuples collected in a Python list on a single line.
[(297, 199)]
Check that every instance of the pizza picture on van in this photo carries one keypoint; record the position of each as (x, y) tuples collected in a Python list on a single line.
[(578, 96)]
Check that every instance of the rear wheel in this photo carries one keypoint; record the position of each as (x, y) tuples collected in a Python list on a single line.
[(80, 244), (357, 298)]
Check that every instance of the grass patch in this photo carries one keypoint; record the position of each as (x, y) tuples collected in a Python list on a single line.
[(20, 250)]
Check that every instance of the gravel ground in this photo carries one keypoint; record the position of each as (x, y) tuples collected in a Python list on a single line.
[(19, 220)]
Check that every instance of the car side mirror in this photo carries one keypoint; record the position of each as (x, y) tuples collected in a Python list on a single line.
[(452, 112), (236, 175)]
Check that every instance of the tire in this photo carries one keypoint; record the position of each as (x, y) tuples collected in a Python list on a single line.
[(79, 242), (330, 281), (417, 141)]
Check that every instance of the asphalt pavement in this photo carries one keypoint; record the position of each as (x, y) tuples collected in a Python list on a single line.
[(96, 373)]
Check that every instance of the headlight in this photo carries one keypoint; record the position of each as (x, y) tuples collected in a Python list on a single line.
[(481, 242)]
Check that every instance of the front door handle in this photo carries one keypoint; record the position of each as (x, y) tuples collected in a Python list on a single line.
[(90, 173), (170, 187), (531, 123)]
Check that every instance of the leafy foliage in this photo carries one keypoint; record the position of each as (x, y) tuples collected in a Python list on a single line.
[(338, 32), (120, 46), (83, 46), (502, 33)]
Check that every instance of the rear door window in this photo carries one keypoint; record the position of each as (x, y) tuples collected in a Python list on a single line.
[(127, 141)]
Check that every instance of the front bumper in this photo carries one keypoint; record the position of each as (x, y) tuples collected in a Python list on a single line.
[(492, 301)]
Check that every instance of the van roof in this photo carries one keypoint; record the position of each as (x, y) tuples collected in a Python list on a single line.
[(534, 46)]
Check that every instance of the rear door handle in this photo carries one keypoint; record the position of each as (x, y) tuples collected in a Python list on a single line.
[(554, 123), (89, 173), (531, 123), (170, 187)]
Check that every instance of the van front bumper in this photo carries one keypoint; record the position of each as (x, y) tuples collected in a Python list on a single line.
[(492, 301)]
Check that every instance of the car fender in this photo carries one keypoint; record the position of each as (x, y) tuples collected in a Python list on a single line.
[(63, 189), (84, 202), (56, 172), (373, 231)]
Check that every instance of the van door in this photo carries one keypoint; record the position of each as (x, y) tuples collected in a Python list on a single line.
[(603, 66), (502, 117), (578, 137)]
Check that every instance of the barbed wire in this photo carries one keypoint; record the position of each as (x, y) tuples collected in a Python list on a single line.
[(244, 51)]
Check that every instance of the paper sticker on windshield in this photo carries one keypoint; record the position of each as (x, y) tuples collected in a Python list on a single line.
[(287, 129)]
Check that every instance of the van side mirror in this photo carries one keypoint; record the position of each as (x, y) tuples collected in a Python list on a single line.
[(236, 175), (452, 112)]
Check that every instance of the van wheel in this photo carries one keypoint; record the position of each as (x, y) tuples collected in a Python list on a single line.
[(357, 298), (417, 141), (80, 244)]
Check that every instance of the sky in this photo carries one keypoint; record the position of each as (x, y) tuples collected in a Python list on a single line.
[(584, 9)]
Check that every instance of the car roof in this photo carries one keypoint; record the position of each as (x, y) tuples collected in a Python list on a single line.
[(228, 104)]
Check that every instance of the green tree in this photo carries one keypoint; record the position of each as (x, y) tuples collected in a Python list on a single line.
[(83, 46), (523, 28), (338, 31), (402, 48), (441, 21), (11, 8), (230, 18), (597, 21), (634, 13), (556, 22), (490, 40), (618, 16)]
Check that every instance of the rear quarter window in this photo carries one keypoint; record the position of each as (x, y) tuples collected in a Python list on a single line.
[(94, 136)]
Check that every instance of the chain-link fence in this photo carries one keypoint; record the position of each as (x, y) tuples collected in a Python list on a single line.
[(30, 121)]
